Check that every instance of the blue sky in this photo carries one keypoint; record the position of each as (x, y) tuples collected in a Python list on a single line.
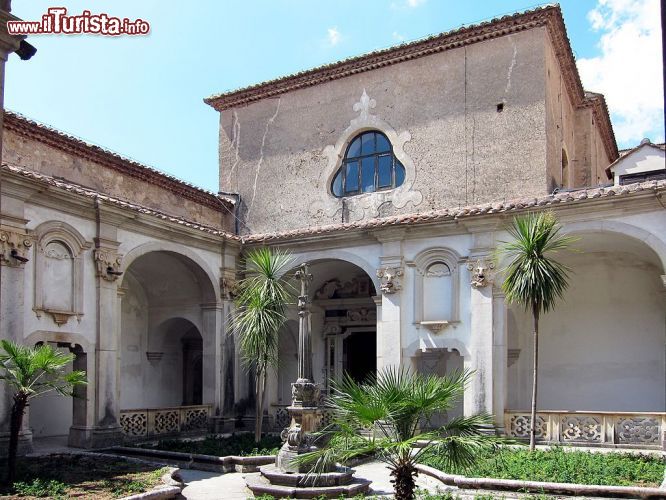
[(142, 96)]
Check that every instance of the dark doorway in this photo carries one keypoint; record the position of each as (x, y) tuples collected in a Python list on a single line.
[(192, 368), (360, 355)]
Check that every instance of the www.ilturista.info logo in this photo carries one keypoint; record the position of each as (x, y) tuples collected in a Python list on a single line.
[(56, 21)]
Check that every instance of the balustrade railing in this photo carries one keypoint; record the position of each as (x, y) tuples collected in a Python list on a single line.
[(619, 429), (151, 422)]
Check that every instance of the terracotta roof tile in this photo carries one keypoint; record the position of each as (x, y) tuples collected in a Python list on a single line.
[(86, 192), (579, 196), (71, 144)]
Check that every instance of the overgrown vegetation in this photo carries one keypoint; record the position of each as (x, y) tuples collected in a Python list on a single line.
[(67, 476), (557, 465), (238, 444)]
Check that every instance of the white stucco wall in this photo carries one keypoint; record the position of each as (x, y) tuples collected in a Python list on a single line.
[(603, 347)]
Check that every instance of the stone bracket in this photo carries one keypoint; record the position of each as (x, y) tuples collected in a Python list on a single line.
[(14, 247)]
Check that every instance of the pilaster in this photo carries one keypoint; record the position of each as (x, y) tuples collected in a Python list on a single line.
[(389, 314)]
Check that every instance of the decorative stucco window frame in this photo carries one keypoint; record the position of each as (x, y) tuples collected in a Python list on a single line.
[(61, 232), (421, 264), (357, 205)]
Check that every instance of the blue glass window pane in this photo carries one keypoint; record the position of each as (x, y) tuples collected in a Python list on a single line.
[(368, 143), (399, 173), (383, 144), (355, 148), (337, 184), (368, 174), (384, 171), (351, 177)]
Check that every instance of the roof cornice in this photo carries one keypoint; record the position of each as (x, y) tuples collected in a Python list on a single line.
[(569, 198), (55, 138), (84, 193), (549, 16)]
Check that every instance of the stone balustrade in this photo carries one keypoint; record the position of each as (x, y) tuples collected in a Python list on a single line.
[(154, 422), (616, 429)]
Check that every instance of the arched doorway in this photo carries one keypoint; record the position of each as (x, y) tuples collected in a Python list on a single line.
[(164, 351)]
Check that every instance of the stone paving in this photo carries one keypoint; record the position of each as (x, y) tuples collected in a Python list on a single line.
[(210, 485)]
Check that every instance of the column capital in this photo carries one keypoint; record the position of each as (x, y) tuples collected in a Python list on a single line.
[(107, 260), (15, 246), (390, 278)]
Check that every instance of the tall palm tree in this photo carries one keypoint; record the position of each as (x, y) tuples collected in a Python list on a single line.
[(260, 312), (395, 406), (30, 372), (533, 278)]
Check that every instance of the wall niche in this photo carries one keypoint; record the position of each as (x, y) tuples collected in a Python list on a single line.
[(59, 271)]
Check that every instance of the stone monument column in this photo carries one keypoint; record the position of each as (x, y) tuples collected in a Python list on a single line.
[(304, 410)]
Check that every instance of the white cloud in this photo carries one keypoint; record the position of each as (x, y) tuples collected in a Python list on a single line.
[(415, 3), (629, 69), (398, 37), (333, 36)]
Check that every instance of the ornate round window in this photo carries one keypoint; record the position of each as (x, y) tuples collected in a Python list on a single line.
[(369, 165)]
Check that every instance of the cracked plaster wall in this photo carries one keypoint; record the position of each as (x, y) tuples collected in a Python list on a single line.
[(464, 151), (35, 155)]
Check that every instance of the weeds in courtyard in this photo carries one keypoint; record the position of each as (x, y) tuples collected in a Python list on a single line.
[(239, 444), (67, 476), (557, 465)]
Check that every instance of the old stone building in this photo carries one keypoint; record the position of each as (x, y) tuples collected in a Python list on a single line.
[(394, 174)]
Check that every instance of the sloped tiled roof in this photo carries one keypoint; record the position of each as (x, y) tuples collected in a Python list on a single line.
[(73, 145), (549, 16), (47, 180), (509, 207)]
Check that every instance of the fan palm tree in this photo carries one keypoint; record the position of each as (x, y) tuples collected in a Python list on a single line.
[(533, 278), (30, 372), (395, 405), (260, 312)]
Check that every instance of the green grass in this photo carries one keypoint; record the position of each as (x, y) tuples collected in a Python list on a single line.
[(556, 465), (239, 444), (67, 476)]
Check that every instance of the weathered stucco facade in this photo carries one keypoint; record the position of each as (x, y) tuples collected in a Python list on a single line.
[(476, 117), (135, 272)]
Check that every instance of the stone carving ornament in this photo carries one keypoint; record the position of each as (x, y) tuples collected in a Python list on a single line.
[(391, 279), (14, 248), (481, 272), (108, 263)]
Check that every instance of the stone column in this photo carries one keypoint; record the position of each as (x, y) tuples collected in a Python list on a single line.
[(213, 345), (389, 314), (479, 393), (106, 431), (500, 342), (15, 251)]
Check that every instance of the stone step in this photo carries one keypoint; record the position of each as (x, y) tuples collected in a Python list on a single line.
[(336, 478), (259, 485)]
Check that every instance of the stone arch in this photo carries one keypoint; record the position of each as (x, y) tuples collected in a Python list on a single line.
[(61, 231), (83, 400), (210, 289), (342, 255), (651, 240)]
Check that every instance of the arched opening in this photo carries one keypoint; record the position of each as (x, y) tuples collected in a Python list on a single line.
[(602, 348), (343, 326), (52, 415), (163, 348)]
